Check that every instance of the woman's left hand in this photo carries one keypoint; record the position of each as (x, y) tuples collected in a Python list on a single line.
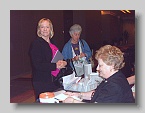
[(82, 55), (62, 64), (68, 100)]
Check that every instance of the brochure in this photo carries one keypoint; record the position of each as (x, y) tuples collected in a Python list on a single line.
[(58, 56)]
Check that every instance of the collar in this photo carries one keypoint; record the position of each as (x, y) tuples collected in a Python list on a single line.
[(111, 77)]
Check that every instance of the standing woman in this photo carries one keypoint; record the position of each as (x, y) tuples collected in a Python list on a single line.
[(76, 48), (42, 51)]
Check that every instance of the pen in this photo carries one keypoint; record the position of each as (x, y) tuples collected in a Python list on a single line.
[(58, 100)]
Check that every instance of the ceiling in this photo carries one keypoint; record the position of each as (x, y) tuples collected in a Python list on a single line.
[(120, 14), (124, 15)]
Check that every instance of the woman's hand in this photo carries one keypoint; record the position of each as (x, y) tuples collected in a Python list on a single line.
[(61, 64), (68, 100), (72, 94), (75, 58), (68, 93), (71, 100), (82, 55)]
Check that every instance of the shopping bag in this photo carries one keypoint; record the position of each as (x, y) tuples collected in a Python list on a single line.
[(79, 66), (82, 67), (79, 69)]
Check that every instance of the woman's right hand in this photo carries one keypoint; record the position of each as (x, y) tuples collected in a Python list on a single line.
[(68, 100), (76, 58), (61, 64)]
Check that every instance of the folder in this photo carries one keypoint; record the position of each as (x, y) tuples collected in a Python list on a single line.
[(58, 56)]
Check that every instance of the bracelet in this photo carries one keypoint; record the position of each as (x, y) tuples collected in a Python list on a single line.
[(92, 94), (80, 96), (73, 100)]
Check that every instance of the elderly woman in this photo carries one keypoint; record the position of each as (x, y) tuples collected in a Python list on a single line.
[(115, 87), (76, 48), (42, 51)]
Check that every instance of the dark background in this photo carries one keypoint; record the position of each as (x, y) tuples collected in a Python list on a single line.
[(97, 29)]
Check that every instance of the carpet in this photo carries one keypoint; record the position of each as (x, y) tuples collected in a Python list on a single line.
[(26, 97)]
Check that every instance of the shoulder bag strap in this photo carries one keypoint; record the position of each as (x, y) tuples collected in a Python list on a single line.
[(73, 67)]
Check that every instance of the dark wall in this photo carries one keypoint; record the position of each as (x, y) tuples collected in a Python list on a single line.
[(111, 28), (93, 28), (79, 17), (68, 22), (23, 24)]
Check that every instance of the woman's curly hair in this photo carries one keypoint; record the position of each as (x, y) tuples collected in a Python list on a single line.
[(111, 55)]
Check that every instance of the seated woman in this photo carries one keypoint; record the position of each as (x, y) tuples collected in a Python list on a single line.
[(115, 87)]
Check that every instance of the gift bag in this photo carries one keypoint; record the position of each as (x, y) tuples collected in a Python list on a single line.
[(79, 66), (83, 69)]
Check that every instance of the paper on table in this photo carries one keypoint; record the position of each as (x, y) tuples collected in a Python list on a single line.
[(59, 92), (58, 56), (63, 97), (95, 73), (48, 100), (70, 79)]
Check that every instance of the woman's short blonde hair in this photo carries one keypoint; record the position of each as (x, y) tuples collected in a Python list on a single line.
[(75, 28), (51, 27), (111, 55)]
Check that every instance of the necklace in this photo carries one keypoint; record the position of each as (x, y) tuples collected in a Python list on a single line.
[(76, 48)]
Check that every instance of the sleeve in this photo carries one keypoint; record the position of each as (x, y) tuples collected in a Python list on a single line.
[(67, 51), (111, 93), (38, 58), (87, 50), (64, 52)]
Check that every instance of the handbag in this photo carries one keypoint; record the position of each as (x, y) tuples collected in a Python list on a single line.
[(58, 80)]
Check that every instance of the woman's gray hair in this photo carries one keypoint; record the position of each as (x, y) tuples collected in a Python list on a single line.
[(51, 27), (75, 28)]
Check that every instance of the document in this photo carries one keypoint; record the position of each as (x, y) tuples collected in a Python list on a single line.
[(58, 56), (63, 97)]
